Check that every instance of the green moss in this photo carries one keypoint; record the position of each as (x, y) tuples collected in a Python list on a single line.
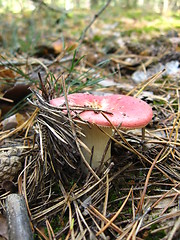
[(158, 102), (112, 196), (140, 173), (155, 236), (97, 38)]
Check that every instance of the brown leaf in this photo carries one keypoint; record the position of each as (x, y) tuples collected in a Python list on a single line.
[(18, 92), (9, 186), (3, 228), (58, 46), (44, 51), (12, 96), (7, 76), (13, 121), (6, 73)]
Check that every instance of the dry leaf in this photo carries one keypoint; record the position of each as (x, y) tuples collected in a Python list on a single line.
[(58, 46), (9, 186), (13, 121), (6, 77), (6, 73), (12, 96), (18, 92), (3, 228)]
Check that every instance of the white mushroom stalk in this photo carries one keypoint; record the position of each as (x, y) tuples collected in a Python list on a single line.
[(96, 140)]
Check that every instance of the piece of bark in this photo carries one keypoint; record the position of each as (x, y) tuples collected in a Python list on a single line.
[(17, 217)]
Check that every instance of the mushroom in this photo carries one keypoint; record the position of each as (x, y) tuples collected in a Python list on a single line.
[(117, 110)]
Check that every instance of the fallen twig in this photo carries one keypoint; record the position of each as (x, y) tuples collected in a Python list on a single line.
[(92, 21)]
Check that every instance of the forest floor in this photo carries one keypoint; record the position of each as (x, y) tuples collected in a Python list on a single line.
[(47, 53)]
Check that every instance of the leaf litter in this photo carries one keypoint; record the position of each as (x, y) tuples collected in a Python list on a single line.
[(135, 195)]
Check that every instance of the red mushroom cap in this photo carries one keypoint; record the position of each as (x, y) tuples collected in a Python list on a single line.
[(128, 111)]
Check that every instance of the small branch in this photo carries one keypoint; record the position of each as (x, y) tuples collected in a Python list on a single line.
[(33, 61), (55, 9), (175, 229), (92, 21), (18, 221)]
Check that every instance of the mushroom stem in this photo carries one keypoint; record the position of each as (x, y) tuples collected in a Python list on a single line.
[(96, 139)]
